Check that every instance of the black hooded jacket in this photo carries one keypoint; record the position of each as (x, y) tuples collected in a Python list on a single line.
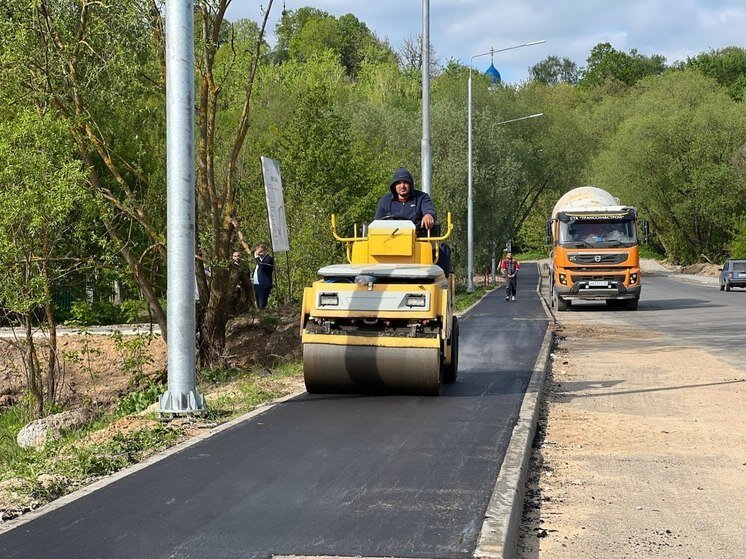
[(418, 204)]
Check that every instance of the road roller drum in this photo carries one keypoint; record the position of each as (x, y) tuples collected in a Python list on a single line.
[(339, 368)]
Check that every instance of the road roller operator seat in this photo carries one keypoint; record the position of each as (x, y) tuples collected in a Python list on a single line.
[(396, 241)]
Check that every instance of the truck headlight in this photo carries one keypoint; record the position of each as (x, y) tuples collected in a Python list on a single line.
[(563, 279), (328, 300), (632, 278), (416, 300)]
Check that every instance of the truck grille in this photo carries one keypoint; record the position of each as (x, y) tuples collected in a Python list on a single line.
[(597, 258), (577, 278)]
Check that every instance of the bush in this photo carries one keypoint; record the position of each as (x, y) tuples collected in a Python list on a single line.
[(134, 311), (101, 313), (738, 245), (139, 400), (83, 313)]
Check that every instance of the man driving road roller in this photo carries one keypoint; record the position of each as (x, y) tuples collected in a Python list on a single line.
[(404, 202)]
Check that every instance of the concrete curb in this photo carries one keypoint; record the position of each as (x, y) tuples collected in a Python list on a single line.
[(498, 538)]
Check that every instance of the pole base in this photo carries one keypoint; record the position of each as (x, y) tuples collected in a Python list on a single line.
[(175, 403)]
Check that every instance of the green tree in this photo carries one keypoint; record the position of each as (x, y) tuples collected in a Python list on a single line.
[(553, 70), (738, 245), (673, 157), (109, 88), (605, 63), (325, 170), (289, 24), (308, 33), (727, 66), (44, 227), (554, 150)]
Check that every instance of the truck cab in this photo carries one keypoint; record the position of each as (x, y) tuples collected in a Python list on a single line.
[(595, 252)]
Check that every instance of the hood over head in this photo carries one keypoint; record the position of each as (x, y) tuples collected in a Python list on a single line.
[(401, 174)]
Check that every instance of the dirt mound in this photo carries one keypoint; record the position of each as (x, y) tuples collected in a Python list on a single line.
[(649, 265), (701, 269), (265, 339)]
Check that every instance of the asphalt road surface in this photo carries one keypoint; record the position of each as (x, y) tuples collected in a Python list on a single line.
[(688, 312), (398, 476)]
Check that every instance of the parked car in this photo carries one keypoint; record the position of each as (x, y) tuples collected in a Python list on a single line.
[(733, 274)]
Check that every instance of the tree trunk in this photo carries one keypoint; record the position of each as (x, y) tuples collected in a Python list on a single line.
[(215, 315), (52, 362), (32, 369)]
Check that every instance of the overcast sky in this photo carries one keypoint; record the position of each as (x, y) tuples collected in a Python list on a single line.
[(459, 29)]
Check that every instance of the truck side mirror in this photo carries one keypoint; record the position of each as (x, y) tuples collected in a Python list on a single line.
[(548, 232), (645, 231)]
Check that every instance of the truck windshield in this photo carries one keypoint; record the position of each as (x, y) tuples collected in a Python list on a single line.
[(607, 233)]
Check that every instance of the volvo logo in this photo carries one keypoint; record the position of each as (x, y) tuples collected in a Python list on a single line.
[(597, 258)]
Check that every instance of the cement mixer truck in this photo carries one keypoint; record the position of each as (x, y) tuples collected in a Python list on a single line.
[(594, 250)]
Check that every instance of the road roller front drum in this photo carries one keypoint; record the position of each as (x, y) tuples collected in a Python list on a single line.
[(329, 368)]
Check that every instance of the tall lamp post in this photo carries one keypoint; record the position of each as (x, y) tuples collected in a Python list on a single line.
[(470, 204), (426, 153)]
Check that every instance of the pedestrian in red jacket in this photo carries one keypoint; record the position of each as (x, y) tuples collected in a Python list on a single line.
[(510, 268)]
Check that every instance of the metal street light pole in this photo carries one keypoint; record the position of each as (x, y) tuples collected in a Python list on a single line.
[(182, 395), (426, 154), (470, 204)]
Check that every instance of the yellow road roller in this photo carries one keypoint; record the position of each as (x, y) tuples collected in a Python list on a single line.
[(382, 322)]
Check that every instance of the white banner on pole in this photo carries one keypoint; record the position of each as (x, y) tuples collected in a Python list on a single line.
[(275, 204)]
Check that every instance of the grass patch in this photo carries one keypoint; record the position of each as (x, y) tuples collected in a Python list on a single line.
[(465, 300), (251, 391), (13, 458)]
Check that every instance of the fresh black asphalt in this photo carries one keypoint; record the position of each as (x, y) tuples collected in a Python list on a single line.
[(399, 476)]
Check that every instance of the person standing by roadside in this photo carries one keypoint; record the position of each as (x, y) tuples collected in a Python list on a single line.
[(510, 268), (265, 266), (241, 274)]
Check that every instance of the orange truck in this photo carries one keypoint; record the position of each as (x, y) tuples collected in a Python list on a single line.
[(595, 255)]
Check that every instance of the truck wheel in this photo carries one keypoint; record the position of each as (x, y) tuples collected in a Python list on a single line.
[(560, 303), (722, 287), (631, 304), (727, 287), (451, 370)]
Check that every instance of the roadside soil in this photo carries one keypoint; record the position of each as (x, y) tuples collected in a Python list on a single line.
[(640, 450), (94, 374)]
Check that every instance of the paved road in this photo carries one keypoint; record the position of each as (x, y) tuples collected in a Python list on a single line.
[(325, 474), (689, 311)]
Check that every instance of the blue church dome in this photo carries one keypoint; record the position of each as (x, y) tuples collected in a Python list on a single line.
[(493, 74)]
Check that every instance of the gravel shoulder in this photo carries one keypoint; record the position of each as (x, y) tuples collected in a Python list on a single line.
[(641, 450)]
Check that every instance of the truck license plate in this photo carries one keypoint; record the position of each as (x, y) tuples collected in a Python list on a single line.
[(597, 283)]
